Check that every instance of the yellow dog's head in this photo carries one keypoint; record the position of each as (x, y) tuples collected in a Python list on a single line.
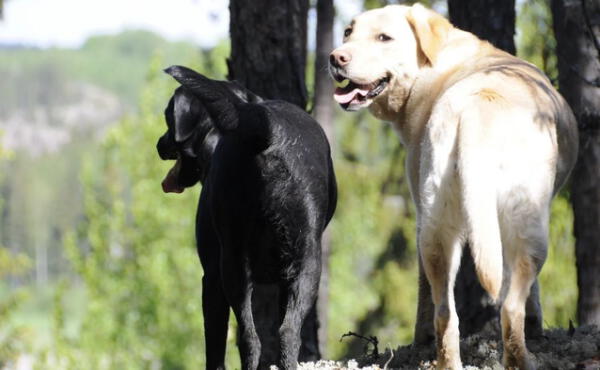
[(383, 51)]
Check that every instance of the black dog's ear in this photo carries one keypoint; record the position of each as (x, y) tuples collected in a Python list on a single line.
[(186, 114), (221, 103)]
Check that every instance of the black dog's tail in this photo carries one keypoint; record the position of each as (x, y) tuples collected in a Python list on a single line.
[(221, 104), (227, 103)]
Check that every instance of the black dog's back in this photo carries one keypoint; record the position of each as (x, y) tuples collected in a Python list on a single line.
[(272, 182)]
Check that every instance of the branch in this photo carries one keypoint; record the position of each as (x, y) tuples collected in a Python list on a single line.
[(371, 339), (390, 360)]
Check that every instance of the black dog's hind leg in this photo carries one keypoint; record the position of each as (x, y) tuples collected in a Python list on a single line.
[(238, 289), (214, 305), (296, 299), (216, 317)]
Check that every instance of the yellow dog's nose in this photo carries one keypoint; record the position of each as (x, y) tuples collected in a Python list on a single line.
[(339, 58)]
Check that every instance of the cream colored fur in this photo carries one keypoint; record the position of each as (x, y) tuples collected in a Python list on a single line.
[(489, 142)]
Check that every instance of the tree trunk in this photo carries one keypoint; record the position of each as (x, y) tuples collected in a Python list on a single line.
[(493, 21), (323, 103), (268, 56), (268, 48), (577, 31), (323, 113)]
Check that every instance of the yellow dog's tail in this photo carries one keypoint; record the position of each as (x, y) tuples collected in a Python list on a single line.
[(477, 176)]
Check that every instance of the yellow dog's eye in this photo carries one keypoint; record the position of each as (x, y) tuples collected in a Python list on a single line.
[(347, 32), (383, 37)]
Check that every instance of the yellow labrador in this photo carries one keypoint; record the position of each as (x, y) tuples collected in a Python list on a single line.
[(489, 142)]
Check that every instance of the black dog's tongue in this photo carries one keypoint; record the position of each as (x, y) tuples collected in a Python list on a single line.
[(170, 184)]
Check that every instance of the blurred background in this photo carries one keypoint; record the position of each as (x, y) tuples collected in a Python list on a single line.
[(98, 266)]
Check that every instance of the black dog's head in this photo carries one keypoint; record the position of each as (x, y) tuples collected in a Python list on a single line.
[(190, 140), (194, 118)]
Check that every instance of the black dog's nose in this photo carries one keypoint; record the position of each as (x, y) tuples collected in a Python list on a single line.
[(166, 150), (339, 58)]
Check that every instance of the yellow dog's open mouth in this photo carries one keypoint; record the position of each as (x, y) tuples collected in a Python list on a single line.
[(349, 94)]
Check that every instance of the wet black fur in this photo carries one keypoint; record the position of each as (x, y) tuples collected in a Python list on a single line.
[(268, 193)]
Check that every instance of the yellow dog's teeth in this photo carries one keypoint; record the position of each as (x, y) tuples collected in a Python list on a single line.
[(342, 83)]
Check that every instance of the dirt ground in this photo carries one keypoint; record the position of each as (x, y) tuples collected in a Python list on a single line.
[(558, 349)]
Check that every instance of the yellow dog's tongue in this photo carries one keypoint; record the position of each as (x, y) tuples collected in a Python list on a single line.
[(343, 96)]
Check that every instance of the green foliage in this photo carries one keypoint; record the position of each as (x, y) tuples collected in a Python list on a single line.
[(118, 63), (42, 193), (3, 152), (535, 37), (14, 339), (44, 198), (12, 264), (373, 250), (128, 55), (558, 279)]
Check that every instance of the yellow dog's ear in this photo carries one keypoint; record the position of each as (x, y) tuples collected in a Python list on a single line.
[(430, 29)]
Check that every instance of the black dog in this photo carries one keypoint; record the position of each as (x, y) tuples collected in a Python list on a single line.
[(268, 193)]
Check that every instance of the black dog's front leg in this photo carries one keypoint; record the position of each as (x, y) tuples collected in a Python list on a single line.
[(214, 304)]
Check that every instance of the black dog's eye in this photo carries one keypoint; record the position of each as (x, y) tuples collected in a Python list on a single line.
[(383, 37), (347, 32)]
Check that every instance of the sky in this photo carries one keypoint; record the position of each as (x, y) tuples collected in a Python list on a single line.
[(68, 23)]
